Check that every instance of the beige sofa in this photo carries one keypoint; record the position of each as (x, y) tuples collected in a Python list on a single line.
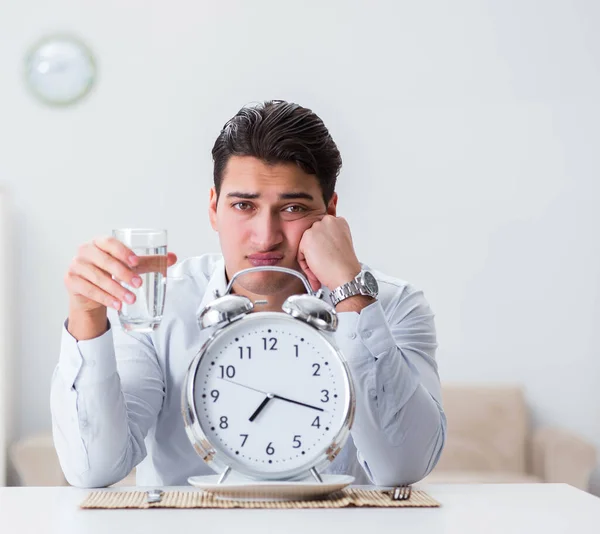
[(489, 440), (35, 463)]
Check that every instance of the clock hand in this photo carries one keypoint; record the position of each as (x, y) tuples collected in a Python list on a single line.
[(273, 395), (298, 402), (245, 386), (260, 408)]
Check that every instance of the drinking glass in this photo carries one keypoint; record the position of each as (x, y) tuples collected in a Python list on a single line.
[(150, 245)]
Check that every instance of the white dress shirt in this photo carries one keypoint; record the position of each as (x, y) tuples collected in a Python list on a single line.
[(116, 399)]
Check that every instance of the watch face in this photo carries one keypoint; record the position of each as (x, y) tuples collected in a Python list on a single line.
[(271, 394), (370, 283)]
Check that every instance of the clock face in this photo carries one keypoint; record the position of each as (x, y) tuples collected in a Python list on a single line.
[(271, 394)]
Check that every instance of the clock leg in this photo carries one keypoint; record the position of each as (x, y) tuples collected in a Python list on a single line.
[(315, 474), (224, 475)]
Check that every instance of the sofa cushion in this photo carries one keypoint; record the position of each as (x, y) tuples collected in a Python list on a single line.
[(487, 429)]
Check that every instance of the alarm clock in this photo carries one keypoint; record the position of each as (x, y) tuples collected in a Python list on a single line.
[(269, 396)]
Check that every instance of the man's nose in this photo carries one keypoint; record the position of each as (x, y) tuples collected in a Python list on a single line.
[(267, 232)]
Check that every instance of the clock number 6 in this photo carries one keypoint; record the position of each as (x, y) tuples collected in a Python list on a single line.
[(270, 449)]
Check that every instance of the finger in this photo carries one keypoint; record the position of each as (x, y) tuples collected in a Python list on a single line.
[(103, 281), (117, 249), (111, 265), (155, 263), (312, 279), (84, 288)]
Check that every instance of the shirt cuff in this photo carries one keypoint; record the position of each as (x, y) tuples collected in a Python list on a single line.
[(374, 330), (368, 329), (367, 343), (90, 360)]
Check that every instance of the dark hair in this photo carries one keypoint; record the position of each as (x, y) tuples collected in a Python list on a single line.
[(279, 132)]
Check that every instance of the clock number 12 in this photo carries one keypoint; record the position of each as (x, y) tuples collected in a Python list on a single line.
[(272, 341)]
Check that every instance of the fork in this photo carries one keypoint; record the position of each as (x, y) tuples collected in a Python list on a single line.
[(153, 496), (401, 493)]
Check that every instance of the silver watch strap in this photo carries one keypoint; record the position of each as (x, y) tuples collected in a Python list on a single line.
[(349, 289)]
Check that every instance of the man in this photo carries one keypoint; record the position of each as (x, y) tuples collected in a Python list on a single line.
[(116, 397)]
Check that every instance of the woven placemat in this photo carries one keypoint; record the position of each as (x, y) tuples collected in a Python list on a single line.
[(348, 497)]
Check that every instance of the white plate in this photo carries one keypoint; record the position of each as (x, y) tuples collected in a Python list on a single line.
[(271, 489)]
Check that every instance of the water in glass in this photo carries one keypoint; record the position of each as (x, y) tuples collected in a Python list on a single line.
[(145, 314)]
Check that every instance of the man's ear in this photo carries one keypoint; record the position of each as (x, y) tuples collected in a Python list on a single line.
[(332, 206), (212, 209)]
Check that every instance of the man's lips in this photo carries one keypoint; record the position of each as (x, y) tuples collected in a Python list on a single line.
[(259, 260)]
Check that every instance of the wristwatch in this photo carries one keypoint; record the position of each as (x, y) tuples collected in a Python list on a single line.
[(364, 283)]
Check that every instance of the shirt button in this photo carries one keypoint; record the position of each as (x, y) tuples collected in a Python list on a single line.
[(91, 363), (352, 335), (367, 334)]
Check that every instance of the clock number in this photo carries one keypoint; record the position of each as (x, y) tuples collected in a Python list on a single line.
[(317, 368), (297, 442), (325, 395), (270, 449), (296, 347), (228, 371), (248, 349), (224, 424), (316, 422), (214, 394), (271, 340), (245, 436)]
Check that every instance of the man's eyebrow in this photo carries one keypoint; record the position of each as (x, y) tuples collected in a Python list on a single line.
[(292, 196), (282, 196), (239, 194)]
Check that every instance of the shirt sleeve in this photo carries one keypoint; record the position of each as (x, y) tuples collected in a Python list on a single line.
[(106, 393), (400, 427)]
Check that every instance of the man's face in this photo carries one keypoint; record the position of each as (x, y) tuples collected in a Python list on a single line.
[(261, 214)]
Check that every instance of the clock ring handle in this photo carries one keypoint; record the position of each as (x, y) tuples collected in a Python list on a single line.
[(271, 268)]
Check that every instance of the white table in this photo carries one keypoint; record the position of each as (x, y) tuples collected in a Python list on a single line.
[(466, 509)]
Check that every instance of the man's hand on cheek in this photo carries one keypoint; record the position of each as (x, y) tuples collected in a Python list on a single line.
[(326, 253)]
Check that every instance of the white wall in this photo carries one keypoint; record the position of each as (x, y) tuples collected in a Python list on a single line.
[(469, 132), (7, 366)]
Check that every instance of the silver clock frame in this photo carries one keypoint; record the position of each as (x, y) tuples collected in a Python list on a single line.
[(301, 310)]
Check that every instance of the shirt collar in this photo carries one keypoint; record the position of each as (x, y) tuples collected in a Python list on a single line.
[(217, 281)]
